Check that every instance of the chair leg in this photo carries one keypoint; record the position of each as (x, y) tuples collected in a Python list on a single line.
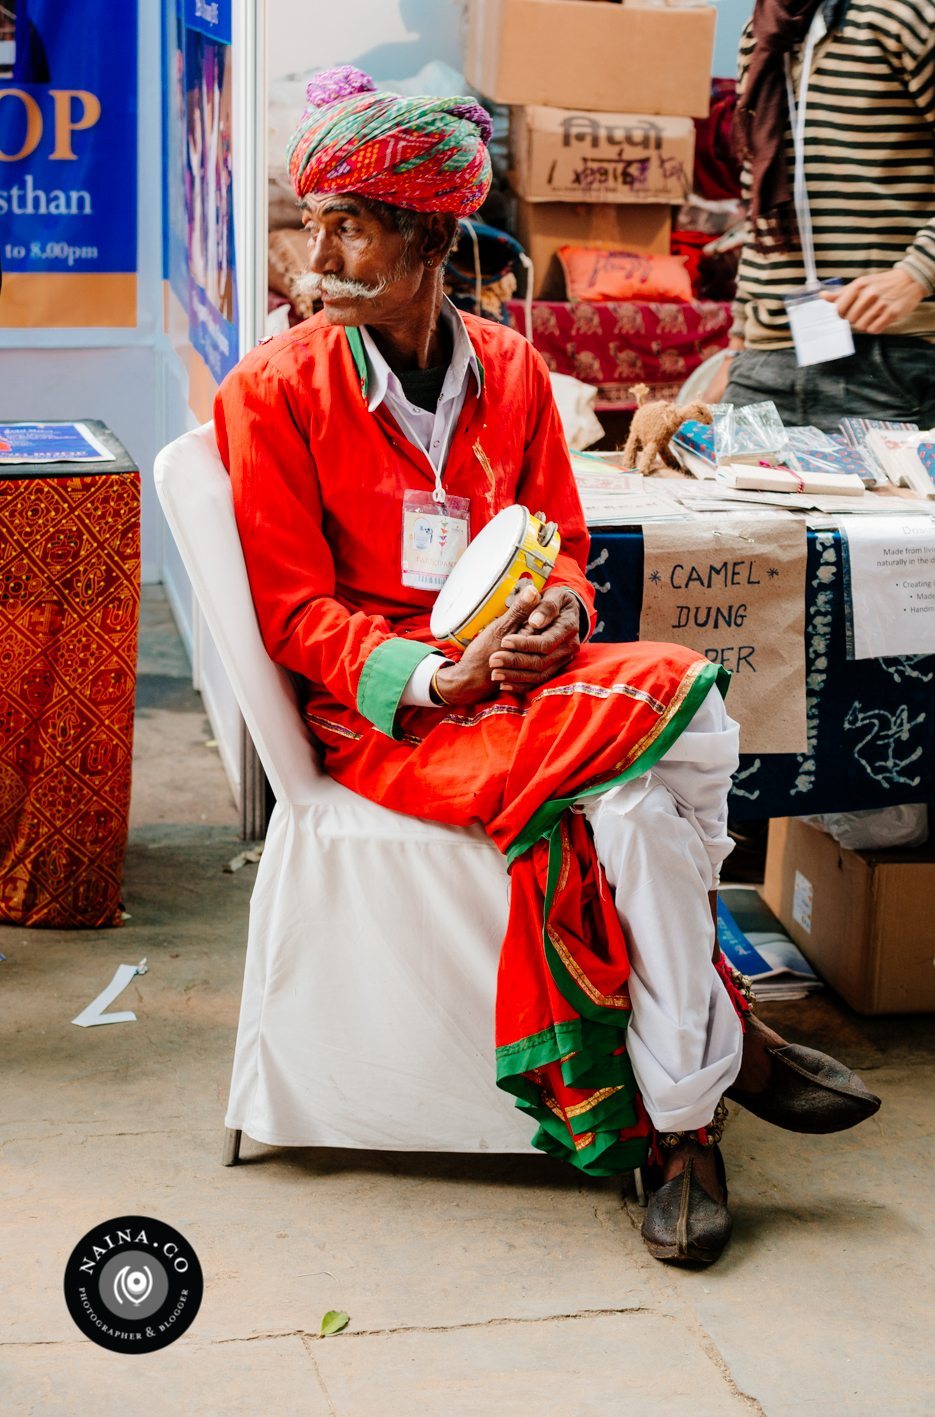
[(231, 1153), (639, 1186)]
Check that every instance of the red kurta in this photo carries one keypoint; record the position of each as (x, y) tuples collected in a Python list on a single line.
[(318, 484)]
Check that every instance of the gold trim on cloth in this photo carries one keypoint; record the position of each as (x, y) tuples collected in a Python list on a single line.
[(579, 1108), (314, 721), (587, 1138), (468, 720), (607, 1001), (601, 691), (671, 709)]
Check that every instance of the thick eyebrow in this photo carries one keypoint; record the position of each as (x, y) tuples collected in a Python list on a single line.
[(346, 205)]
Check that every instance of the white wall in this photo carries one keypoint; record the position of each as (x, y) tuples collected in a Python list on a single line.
[(732, 15), (390, 39), (117, 385)]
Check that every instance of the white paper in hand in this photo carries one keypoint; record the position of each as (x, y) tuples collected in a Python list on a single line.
[(818, 331)]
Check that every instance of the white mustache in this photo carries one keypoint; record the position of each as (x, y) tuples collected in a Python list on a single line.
[(315, 285)]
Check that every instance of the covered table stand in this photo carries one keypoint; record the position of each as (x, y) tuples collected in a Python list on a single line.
[(871, 722), (69, 612)]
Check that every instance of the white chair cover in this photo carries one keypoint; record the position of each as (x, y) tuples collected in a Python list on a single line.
[(368, 1000)]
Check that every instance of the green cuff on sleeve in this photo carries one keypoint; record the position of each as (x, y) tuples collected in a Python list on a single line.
[(385, 676)]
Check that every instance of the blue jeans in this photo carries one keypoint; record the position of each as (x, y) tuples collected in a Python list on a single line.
[(888, 376)]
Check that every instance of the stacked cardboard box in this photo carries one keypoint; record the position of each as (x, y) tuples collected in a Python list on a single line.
[(602, 95), (864, 919)]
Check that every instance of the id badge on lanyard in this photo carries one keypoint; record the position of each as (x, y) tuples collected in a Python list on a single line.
[(435, 532), (819, 334)]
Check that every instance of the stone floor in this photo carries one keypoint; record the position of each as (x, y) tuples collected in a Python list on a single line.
[(474, 1286)]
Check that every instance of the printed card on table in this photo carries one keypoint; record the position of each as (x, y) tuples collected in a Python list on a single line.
[(891, 576), (736, 593)]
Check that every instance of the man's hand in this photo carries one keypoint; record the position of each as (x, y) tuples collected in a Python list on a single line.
[(873, 303), (535, 652), (470, 681)]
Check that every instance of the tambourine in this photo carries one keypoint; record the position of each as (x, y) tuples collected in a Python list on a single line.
[(513, 547)]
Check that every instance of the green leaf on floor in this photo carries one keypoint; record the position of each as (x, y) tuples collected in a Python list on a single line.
[(333, 1322)]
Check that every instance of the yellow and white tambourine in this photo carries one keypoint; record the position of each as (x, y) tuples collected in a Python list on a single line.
[(514, 546)]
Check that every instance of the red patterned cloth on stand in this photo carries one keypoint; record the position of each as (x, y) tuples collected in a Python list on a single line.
[(69, 613), (615, 344)]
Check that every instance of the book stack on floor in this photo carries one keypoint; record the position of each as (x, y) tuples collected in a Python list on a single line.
[(753, 941), (602, 98)]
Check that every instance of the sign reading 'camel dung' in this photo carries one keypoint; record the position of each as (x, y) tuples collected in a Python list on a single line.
[(736, 593)]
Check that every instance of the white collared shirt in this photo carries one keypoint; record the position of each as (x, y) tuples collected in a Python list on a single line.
[(430, 431)]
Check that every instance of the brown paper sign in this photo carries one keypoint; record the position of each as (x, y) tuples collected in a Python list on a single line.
[(735, 591)]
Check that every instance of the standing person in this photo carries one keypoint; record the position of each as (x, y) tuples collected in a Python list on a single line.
[(868, 105), (600, 771)]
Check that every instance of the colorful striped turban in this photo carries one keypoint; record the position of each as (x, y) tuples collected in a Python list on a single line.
[(425, 154)]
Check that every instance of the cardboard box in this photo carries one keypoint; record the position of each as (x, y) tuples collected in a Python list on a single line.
[(864, 919), (543, 227), (559, 154), (576, 54)]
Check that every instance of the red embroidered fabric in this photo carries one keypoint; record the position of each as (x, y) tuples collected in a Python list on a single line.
[(618, 343), (69, 612)]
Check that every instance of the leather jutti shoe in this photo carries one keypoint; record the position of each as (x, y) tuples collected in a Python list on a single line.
[(808, 1091), (683, 1223)]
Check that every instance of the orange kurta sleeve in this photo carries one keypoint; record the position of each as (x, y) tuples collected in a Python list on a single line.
[(547, 484), (263, 441)]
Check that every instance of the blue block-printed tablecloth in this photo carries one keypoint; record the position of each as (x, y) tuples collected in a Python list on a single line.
[(871, 722)]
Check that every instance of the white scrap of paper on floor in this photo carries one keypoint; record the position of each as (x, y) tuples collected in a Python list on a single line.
[(892, 575), (95, 1014)]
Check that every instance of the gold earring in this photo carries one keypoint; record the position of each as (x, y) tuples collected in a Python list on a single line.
[(429, 264)]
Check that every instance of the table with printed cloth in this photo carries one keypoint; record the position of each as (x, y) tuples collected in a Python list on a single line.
[(871, 722), (69, 614)]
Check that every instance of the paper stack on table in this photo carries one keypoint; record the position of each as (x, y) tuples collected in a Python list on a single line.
[(614, 498), (907, 457), (51, 443), (855, 430), (746, 478)]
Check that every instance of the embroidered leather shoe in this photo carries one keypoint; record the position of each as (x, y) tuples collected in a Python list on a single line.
[(808, 1091), (683, 1223)]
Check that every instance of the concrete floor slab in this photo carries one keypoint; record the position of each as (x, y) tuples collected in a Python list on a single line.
[(188, 1379), (640, 1364)]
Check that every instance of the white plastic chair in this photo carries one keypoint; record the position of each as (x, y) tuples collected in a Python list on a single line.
[(368, 997)]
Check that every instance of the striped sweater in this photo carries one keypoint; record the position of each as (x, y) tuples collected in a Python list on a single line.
[(869, 165)]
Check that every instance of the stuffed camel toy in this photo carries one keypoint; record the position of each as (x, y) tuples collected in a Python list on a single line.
[(652, 427)]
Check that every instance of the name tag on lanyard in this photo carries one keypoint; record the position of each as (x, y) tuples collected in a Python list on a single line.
[(819, 333), (435, 533)]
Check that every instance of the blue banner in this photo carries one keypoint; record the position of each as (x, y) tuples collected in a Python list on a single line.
[(211, 17), (68, 136), (200, 261)]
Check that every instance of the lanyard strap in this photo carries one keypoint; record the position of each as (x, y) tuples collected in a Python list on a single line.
[(797, 113)]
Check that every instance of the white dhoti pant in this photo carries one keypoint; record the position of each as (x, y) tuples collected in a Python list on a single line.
[(661, 839)]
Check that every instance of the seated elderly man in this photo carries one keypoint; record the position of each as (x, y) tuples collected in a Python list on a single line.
[(600, 771)]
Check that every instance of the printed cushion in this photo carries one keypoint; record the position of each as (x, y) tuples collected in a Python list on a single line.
[(624, 275)]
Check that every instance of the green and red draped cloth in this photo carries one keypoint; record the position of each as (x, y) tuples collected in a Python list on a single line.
[(520, 768), (318, 483)]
